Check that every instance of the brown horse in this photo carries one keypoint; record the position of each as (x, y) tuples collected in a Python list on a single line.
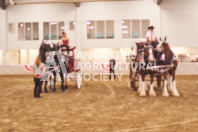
[(145, 58), (168, 58)]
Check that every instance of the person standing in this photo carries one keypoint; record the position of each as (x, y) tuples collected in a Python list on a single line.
[(37, 69), (112, 67)]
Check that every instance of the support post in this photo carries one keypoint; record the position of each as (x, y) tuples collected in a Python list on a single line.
[(77, 4), (159, 2)]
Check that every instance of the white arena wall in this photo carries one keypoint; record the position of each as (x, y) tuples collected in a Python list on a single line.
[(168, 18), (116, 11), (38, 13), (179, 20)]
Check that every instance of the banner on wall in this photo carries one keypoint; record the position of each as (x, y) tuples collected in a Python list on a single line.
[(28, 67), (106, 67)]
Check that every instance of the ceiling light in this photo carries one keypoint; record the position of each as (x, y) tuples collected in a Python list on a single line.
[(88, 23), (91, 27)]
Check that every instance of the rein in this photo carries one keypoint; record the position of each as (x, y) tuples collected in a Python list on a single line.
[(164, 68), (50, 71)]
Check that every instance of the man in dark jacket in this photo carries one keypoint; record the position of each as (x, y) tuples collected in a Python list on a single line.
[(112, 67)]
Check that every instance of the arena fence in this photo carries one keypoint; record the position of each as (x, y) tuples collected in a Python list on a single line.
[(182, 69)]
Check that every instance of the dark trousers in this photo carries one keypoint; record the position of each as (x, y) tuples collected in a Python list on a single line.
[(67, 48), (37, 88), (112, 71)]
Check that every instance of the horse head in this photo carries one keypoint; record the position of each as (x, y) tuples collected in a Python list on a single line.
[(56, 47), (42, 51), (163, 46), (165, 51), (149, 53)]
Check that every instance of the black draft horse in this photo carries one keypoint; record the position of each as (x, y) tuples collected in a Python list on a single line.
[(46, 52), (63, 63), (43, 53)]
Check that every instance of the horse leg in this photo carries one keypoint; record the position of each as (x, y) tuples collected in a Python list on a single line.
[(54, 82), (165, 91), (45, 87), (174, 90), (146, 88), (143, 89), (151, 91), (171, 83), (62, 82), (140, 81), (66, 82), (49, 82)]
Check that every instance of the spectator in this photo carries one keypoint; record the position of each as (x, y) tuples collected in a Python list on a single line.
[(37, 70), (112, 67)]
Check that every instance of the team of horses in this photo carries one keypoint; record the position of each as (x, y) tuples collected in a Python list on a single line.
[(160, 54), (51, 56)]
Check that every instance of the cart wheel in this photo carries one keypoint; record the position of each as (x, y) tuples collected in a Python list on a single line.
[(79, 80)]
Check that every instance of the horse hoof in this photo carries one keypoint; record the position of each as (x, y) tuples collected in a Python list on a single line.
[(142, 94), (165, 94), (152, 94), (139, 89), (176, 94)]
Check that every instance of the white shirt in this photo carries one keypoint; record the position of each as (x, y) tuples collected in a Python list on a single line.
[(38, 70), (148, 35)]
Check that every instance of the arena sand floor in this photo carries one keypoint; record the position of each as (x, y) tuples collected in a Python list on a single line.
[(98, 106)]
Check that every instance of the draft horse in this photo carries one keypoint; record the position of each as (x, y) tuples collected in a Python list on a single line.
[(146, 59), (168, 58), (46, 53)]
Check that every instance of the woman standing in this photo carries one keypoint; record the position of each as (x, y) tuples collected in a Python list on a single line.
[(65, 42), (37, 70)]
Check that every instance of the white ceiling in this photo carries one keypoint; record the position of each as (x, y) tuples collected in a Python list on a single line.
[(60, 1), (77, 2)]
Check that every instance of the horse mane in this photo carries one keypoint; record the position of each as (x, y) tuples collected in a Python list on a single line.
[(167, 47), (168, 52)]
